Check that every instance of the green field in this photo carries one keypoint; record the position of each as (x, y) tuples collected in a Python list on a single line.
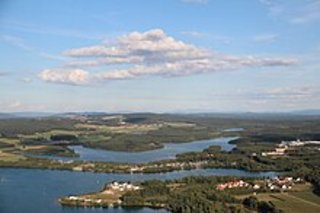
[(294, 202)]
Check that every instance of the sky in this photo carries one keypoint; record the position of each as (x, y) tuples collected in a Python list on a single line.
[(159, 56)]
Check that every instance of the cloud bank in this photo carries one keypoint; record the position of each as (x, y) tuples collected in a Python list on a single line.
[(150, 53)]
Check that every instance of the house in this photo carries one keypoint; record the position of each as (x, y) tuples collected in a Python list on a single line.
[(284, 183), (232, 184), (77, 168), (122, 186), (277, 152), (256, 186)]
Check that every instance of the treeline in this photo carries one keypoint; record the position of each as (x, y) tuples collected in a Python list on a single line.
[(254, 204), (5, 145), (278, 138), (238, 159), (152, 140), (13, 127), (63, 137), (311, 175), (314, 178)]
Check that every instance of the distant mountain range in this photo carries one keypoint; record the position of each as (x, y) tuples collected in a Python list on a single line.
[(307, 112), (312, 112), (46, 114), (25, 115)]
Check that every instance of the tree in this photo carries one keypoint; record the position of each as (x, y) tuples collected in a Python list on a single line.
[(250, 202)]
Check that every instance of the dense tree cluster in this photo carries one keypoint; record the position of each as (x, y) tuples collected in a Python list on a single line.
[(260, 206), (63, 137), (188, 195), (13, 127)]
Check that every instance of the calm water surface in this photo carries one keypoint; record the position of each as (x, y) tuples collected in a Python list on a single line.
[(33, 191), (168, 152), (234, 130)]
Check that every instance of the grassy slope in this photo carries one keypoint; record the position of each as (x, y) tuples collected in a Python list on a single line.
[(294, 202)]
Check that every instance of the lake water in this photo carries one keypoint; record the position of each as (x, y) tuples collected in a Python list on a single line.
[(233, 130), (169, 151), (33, 191)]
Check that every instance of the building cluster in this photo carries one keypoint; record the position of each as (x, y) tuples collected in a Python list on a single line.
[(121, 186), (279, 151), (85, 200), (114, 189), (299, 143), (284, 146), (232, 184), (282, 183), (277, 183), (84, 167)]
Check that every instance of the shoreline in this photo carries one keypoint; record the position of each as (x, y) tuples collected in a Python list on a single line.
[(164, 166), (157, 166), (132, 195), (208, 158)]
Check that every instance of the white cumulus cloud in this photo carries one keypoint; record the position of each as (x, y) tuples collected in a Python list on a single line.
[(150, 53), (76, 76)]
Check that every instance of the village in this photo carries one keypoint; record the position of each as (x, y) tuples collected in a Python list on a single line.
[(120, 186), (279, 184), (108, 197), (286, 146), (111, 194)]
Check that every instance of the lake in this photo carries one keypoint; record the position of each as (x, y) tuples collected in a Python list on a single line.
[(31, 190), (233, 130), (169, 151)]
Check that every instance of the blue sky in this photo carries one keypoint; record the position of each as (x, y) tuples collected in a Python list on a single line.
[(159, 56)]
